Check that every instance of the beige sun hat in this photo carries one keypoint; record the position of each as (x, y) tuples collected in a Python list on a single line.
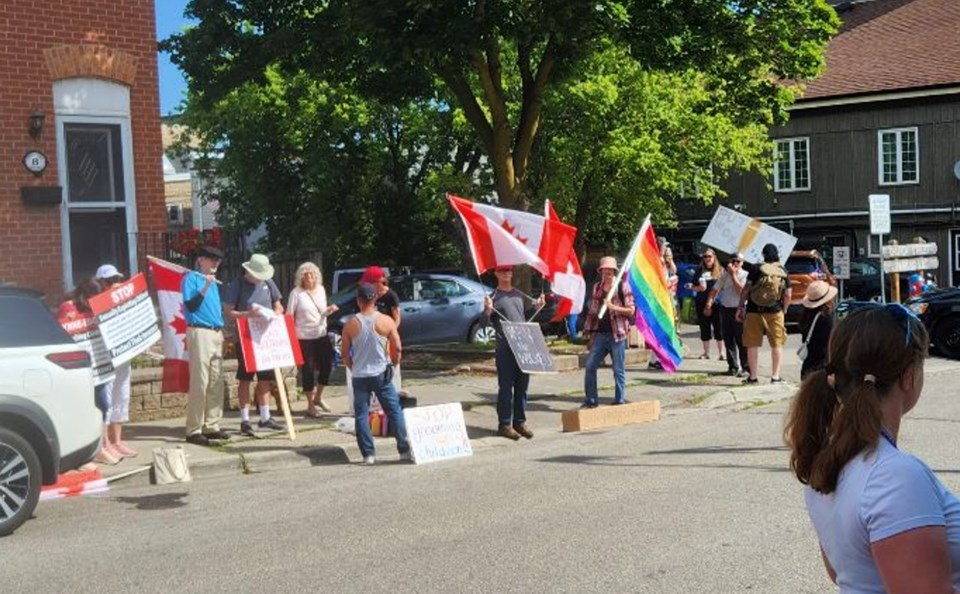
[(818, 293), (259, 267), (607, 262)]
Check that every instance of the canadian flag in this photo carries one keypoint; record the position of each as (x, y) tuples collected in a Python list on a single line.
[(502, 237), (566, 277), (167, 278)]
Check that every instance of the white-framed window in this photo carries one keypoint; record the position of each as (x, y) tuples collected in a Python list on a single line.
[(791, 167), (898, 156)]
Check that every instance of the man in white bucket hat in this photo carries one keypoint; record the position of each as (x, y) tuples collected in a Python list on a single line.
[(249, 296)]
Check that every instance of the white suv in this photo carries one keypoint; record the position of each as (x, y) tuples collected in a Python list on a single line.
[(48, 421)]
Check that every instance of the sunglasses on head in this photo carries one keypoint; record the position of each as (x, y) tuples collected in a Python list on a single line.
[(902, 312)]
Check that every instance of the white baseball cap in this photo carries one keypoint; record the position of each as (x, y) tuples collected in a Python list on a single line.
[(107, 271)]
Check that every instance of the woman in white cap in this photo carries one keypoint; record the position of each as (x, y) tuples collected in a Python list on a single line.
[(816, 325), (118, 390)]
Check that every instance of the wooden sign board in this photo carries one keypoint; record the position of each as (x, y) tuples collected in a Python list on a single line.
[(437, 432), (585, 419), (910, 250), (529, 347), (731, 232), (911, 264)]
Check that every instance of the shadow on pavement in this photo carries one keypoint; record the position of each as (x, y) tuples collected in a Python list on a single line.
[(155, 502)]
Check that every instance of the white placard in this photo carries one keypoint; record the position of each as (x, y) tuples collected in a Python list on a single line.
[(437, 432), (911, 264), (127, 319), (879, 214), (841, 261), (732, 232), (268, 343)]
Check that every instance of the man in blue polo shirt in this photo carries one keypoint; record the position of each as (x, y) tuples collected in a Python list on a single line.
[(204, 316)]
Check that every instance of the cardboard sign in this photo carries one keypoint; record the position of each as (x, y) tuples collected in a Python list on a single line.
[(731, 232), (86, 333), (269, 342), (529, 347), (437, 432), (127, 319)]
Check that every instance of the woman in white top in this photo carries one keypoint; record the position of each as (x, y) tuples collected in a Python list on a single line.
[(884, 521), (308, 306)]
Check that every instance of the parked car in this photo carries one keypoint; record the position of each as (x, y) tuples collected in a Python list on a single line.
[(348, 277), (48, 421), (864, 281), (434, 308), (939, 310), (803, 267)]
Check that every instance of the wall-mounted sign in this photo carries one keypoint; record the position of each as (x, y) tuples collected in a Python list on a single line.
[(35, 162)]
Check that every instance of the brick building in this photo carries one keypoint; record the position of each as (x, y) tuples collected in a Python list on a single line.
[(79, 106)]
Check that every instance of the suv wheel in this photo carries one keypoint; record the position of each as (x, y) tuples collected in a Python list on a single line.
[(482, 333), (946, 337), (19, 481)]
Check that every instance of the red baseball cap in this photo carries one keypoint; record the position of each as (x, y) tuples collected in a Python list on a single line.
[(372, 274)]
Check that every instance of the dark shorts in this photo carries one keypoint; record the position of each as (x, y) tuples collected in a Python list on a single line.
[(244, 375), (317, 362)]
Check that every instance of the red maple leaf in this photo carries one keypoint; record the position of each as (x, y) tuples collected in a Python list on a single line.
[(512, 231), (179, 326)]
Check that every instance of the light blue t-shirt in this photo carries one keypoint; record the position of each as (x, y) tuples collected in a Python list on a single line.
[(210, 312), (879, 495)]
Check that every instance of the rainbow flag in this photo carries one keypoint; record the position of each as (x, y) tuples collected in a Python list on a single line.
[(655, 313)]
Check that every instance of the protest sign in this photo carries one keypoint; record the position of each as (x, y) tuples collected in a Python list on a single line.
[(437, 432), (529, 347), (86, 333), (127, 319), (731, 232), (269, 341)]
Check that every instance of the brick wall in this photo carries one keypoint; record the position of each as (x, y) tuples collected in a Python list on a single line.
[(43, 41)]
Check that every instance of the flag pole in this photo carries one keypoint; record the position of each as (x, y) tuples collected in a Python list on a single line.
[(623, 269), (176, 267)]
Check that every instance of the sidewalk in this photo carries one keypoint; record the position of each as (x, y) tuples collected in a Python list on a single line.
[(699, 383)]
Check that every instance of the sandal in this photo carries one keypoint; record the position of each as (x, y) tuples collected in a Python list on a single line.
[(312, 413), (704, 356)]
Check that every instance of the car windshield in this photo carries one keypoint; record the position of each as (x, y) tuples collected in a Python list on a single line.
[(802, 265)]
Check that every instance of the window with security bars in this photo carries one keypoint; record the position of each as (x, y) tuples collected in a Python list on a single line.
[(899, 156), (791, 169)]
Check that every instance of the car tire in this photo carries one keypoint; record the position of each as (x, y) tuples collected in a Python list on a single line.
[(20, 480), (482, 333), (946, 337)]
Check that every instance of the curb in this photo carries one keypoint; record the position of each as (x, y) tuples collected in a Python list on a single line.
[(740, 398)]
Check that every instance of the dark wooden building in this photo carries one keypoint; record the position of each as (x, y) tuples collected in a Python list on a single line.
[(884, 118)]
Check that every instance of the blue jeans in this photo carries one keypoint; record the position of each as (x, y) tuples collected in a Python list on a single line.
[(572, 325), (382, 386), (512, 387), (604, 343)]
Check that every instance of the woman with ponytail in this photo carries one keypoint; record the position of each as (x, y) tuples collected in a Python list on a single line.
[(884, 521)]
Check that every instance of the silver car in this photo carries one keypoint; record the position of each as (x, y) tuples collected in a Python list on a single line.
[(434, 308)]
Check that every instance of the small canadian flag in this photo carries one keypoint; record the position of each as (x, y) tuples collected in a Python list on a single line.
[(167, 278)]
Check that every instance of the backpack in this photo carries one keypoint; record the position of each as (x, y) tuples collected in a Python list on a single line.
[(769, 287)]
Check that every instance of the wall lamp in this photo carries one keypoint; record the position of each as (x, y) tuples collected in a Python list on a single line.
[(36, 123)]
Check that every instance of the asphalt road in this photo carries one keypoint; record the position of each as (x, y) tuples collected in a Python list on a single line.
[(700, 501)]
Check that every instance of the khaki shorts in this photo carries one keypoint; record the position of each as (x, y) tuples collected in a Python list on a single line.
[(758, 324)]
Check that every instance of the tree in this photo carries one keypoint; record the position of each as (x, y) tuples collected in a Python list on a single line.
[(323, 168), (498, 59)]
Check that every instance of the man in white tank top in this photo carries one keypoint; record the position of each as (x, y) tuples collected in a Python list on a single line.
[(364, 352)]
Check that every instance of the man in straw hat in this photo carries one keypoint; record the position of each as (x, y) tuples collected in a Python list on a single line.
[(608, 334), (253, 295), (204, 316)]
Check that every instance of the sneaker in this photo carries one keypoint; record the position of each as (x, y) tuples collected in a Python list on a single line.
[(589, 405), (523, 430), (654, 364), (405, 456), (742, 373), (776, 380), (270, 425), (751, 380), (124, 450), (508, 432), (621, 402), (369, 460), (246, 429), (198, 439), (733, 372), (217, 435)]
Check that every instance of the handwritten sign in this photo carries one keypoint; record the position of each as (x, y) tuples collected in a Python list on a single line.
[(529, 347), (269, 343), (437, 432), (86, 333), (127, 319), (732, 232)]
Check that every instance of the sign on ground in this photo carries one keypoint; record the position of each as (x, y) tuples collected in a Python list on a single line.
[(437, 432), (529, 347)]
